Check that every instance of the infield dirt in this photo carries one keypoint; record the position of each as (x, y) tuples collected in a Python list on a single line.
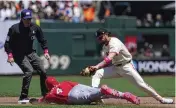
[(145, 101)]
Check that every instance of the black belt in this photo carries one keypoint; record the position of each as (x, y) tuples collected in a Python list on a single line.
[(123, 63)]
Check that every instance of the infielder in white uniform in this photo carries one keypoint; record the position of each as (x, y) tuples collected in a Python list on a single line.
[(119, 56)]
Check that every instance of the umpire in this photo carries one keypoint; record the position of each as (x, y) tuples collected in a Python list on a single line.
[(19, 47)]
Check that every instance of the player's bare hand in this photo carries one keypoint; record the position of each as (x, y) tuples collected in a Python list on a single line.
[(34, 101), (46, 54), (10, 59)]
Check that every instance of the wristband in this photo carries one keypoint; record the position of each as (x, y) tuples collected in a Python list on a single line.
[(103, 64), (46, 51), (10, 55), (107, 60)]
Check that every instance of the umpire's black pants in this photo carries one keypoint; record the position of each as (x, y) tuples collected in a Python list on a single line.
[(28, 63)]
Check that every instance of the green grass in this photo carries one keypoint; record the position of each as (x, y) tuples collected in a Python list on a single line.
[(164, 85), (76, 106)]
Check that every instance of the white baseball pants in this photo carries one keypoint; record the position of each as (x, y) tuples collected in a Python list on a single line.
[(127, 71)]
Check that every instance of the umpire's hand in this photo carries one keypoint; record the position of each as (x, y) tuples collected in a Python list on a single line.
[(10, 58), (46, 54)]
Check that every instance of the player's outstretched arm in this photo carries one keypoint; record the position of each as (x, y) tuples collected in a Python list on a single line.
[(107, 60), (90, 70)]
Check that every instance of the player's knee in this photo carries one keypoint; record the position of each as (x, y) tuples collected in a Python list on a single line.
[(28, 74), (28, 69)]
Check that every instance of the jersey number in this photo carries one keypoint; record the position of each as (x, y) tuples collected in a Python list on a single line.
[(59, 91)]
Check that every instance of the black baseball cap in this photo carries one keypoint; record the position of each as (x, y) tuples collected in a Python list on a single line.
[(100, 32), (26, 14)]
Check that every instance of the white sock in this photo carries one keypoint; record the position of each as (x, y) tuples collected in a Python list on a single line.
[(120, 94), (95, 82)]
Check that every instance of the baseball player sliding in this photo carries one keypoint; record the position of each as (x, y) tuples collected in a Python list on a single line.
[(119, 56), (68, 92)]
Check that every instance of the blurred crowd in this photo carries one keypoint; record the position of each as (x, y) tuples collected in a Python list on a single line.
[(88, 11), (148, 51), (154, 21), (77, 11), (69, 11)]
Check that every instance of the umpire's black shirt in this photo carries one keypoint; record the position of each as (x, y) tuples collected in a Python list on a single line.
[(20, 39)]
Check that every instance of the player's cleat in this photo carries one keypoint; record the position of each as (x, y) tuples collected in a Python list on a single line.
[(23, 101), (109, 91), (167, 101), (131, 98)]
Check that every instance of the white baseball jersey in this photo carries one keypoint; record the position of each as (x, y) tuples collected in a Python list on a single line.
[(115, 45)]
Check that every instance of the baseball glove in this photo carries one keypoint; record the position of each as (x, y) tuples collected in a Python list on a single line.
[(88, 71)]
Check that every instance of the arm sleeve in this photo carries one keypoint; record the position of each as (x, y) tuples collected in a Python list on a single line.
[(8, 40), (40, 38)]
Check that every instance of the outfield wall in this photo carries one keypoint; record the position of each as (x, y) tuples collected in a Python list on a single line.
[(6, 68), (73, 46)]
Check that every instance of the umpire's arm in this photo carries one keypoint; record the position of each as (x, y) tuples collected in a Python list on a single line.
[(40, 38), (8, 40)]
